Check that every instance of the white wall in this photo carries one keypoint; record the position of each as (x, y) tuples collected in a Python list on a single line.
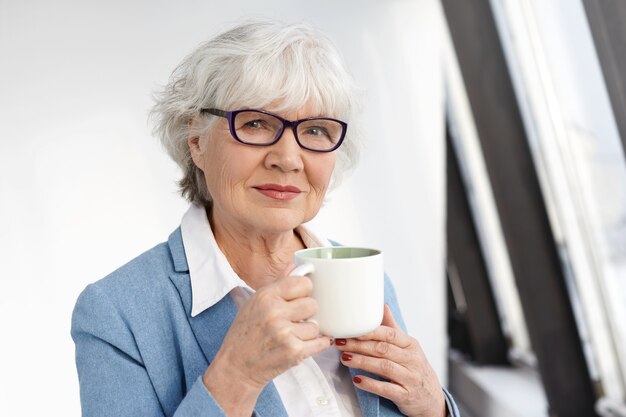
[(84, 188)]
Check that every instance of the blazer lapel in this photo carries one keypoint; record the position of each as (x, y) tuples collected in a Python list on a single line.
[(269, 403), (210, 326), (368, 401)]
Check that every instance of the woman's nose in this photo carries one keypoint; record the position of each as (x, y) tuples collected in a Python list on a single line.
[(285, 154)]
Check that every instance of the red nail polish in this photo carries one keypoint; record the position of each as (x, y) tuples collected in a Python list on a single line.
[(340, 342), (356, 380), (346, 357)]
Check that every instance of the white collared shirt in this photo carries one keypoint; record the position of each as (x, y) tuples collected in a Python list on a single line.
[(318, 387)]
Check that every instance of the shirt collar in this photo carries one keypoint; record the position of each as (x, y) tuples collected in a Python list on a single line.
[(211, 275)]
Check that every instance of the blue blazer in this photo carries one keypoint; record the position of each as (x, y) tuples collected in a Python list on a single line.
[(140, 353)]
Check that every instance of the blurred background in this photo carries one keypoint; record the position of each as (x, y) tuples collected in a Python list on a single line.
[(493, 177)]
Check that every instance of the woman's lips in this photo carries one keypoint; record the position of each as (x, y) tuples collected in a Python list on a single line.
[(278, 192)]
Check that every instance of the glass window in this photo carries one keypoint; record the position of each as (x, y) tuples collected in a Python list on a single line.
[(478, 188), (582, 169)]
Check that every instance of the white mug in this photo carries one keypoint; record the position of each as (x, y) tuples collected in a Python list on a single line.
[(349, 286)]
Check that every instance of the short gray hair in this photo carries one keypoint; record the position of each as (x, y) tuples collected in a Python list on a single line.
[(252, 65)]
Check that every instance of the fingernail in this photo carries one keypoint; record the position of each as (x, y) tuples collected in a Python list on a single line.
[(346, 357), (340, 342), (356, 380)]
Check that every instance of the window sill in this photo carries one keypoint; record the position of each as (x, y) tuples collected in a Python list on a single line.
[(494, 391)]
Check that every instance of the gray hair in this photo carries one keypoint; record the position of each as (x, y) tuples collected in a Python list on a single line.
[(254, 65)]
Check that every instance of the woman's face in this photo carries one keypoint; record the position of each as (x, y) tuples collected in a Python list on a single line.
[(263, 188)]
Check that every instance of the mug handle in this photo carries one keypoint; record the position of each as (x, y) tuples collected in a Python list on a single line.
[(303, 269)]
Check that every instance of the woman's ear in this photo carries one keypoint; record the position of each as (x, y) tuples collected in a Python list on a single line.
[(195, 143)]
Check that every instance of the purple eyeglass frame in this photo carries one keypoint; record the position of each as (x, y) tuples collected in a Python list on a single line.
[(293, 124)]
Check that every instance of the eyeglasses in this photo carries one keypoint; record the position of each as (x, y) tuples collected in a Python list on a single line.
[(260, 128)]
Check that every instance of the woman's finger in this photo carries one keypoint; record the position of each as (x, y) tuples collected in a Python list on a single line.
[(292, 287), (380, 349), (300, 308), (305, 330), (387, 334), (379, 366), (388, 319), (385, 389), (388, 331), (314, 346)]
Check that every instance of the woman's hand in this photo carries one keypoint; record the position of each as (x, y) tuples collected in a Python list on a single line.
[(410, 382), (267, 337)]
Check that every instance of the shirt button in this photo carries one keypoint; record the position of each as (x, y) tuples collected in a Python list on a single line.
[(322, 401)]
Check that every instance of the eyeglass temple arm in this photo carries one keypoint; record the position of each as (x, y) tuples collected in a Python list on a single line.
[(215, 112)]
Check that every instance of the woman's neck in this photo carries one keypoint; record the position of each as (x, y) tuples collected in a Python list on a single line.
[(257, 258)]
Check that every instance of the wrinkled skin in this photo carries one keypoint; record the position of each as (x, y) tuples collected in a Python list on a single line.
[(410, 382)]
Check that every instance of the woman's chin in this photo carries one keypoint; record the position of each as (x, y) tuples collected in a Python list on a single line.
[(278, 220)]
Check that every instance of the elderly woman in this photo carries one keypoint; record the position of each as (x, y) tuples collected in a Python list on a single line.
[(210, 323)]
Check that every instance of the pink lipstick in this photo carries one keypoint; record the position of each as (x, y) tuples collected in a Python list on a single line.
[(278, 192)]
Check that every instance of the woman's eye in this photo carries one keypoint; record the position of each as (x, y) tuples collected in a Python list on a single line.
[(255, 124), (317, 131)]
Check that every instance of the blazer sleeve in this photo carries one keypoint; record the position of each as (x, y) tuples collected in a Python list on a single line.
[(113, 379), (392, 301)]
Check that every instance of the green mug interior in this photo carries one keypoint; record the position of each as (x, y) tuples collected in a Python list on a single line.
[(337, 252)]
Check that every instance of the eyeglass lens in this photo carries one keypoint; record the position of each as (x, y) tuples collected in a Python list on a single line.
[(259, 128)]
